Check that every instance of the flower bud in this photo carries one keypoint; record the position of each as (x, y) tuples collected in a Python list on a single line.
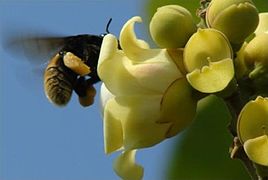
[(237, 19), (171, 26), (256, 56)]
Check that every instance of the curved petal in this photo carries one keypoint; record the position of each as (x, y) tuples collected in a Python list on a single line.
[(133, 48), (126, 168), (263, 24), (153, 68), (212, 78), (253, 119), (112, 69), (127, 77), (257, 149), (205, 46)]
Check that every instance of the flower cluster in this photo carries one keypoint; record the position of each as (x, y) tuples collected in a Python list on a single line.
[(151, 94)]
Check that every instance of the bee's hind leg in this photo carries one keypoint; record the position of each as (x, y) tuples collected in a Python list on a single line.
[(85, 91)]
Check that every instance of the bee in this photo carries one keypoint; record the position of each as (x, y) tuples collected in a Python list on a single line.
[(73, 68), (68, 69)]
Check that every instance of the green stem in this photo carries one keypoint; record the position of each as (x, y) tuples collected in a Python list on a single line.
[(262, 172), (201, 13)]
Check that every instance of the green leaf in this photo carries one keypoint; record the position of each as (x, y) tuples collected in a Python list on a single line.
[(202, 151)]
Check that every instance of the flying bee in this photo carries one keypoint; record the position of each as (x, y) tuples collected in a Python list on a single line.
[(72, 68), (69, 68)]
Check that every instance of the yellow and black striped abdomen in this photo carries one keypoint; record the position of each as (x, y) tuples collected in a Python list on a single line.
[(58, 84)]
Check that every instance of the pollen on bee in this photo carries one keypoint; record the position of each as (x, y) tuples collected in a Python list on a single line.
[(76, 64)]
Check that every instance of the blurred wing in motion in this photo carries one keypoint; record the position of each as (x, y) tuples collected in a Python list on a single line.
[(31, 53), (36, 49)]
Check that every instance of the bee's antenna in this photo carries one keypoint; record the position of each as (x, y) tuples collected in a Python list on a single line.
[(107, 26)]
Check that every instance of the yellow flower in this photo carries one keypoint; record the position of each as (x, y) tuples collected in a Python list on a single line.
[(237, 19), (208, 61), (171, 26), (252, 128), (144, 96)]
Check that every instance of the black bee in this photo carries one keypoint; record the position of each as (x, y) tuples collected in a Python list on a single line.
[(60, 80), (72, 68)]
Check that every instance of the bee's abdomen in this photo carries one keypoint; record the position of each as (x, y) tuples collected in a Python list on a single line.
[(57, 82)]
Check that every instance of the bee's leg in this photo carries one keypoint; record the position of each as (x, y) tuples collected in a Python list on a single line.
[(86, 92), (75, 64), (93, 79)]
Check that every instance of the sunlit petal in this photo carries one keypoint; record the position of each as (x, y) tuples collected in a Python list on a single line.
[(212, 78), (263, 24), (257, 149), (253, 119), (126, 167)]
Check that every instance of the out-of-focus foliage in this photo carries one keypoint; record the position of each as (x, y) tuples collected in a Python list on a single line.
[(202, 152)]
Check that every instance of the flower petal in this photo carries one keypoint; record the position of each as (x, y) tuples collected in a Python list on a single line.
[(153, 75), (253, 119), (112, 129), (206, 45), (212, 78), (133, 48), (138, 116), (126, 168), (105, 96), (178, 106), (263, 24), (112, 69), (257, 149)]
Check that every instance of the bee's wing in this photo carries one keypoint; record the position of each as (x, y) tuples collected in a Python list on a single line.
[(37, 50), (30, 54)]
